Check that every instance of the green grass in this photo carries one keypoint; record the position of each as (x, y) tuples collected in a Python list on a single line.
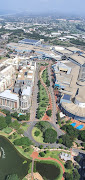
[(44, 75), (55, 154), (38, 138), (24, 127), (43, 94), (26, 154), (7, 130)]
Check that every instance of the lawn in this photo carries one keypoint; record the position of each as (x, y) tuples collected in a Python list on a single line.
[(7, 130), (38, 138), (24, 127), (55, 154), (44, 75), (43, 101), (26, 154)]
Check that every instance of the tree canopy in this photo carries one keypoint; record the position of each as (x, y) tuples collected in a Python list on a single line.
[(50, 135), (3, 123), (22, 141)]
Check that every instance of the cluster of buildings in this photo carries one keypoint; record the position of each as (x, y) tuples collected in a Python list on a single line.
[(16, 83), (69, 77)]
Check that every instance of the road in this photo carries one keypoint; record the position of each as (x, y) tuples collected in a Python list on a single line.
[(34, 105), (54, 109), (28, 134)]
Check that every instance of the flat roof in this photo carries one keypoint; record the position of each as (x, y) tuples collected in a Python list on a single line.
[(73, 49), (9, 95), (29, 41), (66, 97), (78, 58), (27, 91)]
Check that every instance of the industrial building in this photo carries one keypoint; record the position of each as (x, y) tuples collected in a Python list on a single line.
[(70, 80), (30, 42)]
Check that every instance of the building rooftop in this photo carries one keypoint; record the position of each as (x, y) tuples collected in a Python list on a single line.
[(27, 91), (9, 95), (29, 41), (78, 58)]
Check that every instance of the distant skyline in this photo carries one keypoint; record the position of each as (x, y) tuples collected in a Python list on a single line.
[(43, 6)]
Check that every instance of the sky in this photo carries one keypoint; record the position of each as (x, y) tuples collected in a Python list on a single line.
[(43, 6)]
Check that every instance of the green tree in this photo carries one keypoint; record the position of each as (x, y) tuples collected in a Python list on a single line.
[(60, 140), (15, 115), (37, 133), (3, 123), (68, 176), (22, 141), (21, 117), (5, 111), (49, 112), (50, 136), (15, 125), (76, 175), (48, 83), (82, 135), (41, 146), (8, 119), (12, 177), (42, 154), (78, 158), (66, 140), (68, 164), (58, 116)]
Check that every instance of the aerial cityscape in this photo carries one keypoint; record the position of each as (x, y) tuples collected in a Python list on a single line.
[(42, 90)]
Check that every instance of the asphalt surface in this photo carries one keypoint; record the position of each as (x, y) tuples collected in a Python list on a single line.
[(28, 134), (34, 105)]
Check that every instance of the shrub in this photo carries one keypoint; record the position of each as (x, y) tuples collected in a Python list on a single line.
[(10, 137), (27, 150)]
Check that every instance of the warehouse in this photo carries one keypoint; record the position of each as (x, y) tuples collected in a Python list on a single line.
[(30, 42)]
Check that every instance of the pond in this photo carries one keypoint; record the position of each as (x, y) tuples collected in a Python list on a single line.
[(11, 161), (47, 171)]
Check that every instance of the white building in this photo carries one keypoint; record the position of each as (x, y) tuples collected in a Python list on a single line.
[(9, 100), (65, 156)]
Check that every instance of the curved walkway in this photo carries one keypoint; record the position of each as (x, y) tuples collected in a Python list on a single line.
[(35, 156)]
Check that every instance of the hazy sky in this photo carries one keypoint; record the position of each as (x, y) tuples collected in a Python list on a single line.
[(64, 6)]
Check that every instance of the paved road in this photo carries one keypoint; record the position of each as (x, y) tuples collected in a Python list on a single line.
[(34, 97), (28, 134), (54, 110)]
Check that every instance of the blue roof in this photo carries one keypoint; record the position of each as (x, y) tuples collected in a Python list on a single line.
[(66, 97), (29, 41)]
